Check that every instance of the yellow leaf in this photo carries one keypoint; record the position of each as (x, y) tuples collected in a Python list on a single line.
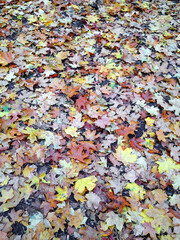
[(41, 177), (62, 193), (83, 183), (72, 131), (44, 235), (149, 121), (6, 195), (78, 79), (32, 18), (60, 56), (125, 156), (149, 143), (5, 182), (75, 7), (26, 191), (145, 216), (92, 18), (27, 171), (73, 110), (136, 189), (22, 38), (35, 180), (165, 165), (33, 133)]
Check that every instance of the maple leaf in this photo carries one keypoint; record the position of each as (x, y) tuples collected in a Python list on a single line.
[(93, 200), (149, 230), (137, 190), (134, 143), (83, 183), (72, 131), (91, 135), (159, 195), (77, 152), (33, 133), (117, 202), (5, 58), (175, 153), (125, 156), (166, 165), (62, 193), (70, 90), (61, 56), (76, 219), (125, 131), (104, 121), (27, 172), (113, 219), (92, 18), (160, 219), (88, 233), (87, 146), (149, 121)]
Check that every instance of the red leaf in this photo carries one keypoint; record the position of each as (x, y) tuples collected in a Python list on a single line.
[(134, 143), (77, 152), (81, 103)]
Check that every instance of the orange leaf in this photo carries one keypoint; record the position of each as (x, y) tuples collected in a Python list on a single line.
[(160, 135), (5, 58)]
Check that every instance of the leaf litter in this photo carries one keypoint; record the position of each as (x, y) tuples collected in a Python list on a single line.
[(89, 118)]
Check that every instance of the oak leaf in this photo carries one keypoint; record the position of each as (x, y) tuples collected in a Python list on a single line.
[(135, 143), (77, 152), (81, 103)]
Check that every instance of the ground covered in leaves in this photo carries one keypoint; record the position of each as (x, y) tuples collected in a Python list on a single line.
[(89, 120)]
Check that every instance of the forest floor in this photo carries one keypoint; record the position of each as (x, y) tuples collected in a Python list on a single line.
[(89, 120)]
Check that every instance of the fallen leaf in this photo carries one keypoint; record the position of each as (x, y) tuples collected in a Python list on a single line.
[(160, 135), (6, 58), (6, 195), (85, 183), (125, 156), (62, 193), (72, 131)]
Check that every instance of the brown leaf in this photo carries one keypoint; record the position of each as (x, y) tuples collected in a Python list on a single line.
[(76, 219), (5, 58)]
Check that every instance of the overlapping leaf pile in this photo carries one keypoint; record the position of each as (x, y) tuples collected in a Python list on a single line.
[(89, 120)]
